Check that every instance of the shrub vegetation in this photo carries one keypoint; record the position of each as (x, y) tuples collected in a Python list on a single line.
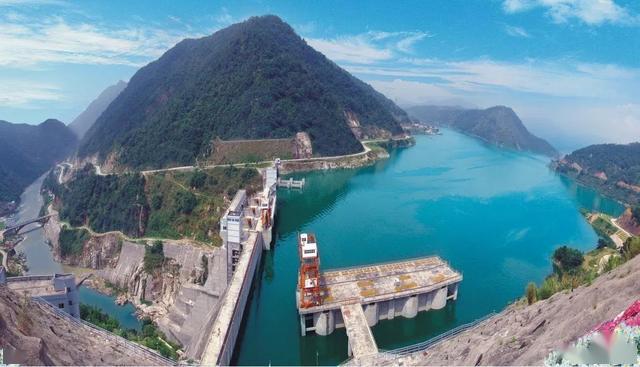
[(149, 335), (72, 240)]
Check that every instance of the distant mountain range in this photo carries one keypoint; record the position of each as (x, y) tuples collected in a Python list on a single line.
[(614, 169), (256, 79), (88, 117), (497, 125), (28, 151)]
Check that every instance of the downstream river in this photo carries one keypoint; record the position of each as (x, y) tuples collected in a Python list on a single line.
[(40, 258), (495, 215)]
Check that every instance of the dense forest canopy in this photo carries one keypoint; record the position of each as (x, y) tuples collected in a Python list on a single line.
[(255, 79), (617, 161), (27, 151), (620, 164), (103, 203)]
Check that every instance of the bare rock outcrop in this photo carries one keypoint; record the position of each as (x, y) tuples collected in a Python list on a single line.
[(177, 297), (525, 335), (32, 334)]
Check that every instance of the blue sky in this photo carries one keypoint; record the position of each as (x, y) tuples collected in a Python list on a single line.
[(570, 68)]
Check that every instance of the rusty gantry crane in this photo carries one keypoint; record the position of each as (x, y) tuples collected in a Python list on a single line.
[(309, 281)]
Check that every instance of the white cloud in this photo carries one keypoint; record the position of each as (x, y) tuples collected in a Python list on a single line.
[(367, 48), (545, 78), (571, 101), (351, 49), (224, 17), (21, 93), (408, 92), (53, 39), (406, 43), (592, 12), (305, 28), (516, 31)]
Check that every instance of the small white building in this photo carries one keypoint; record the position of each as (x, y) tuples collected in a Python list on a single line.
[(59, 290)]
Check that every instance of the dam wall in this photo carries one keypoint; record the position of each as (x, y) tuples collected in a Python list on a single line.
[(226, 327)]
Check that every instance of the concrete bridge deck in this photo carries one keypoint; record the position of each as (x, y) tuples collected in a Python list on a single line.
[(379, 282), (361, 341)]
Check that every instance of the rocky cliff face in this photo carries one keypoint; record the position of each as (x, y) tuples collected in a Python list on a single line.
[(176, 297), (32, 334)]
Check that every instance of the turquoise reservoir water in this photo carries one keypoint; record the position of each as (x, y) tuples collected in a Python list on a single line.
[(124, 314), (496, 216)]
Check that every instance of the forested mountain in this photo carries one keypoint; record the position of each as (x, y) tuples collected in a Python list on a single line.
[(255, 79), (612, 168), (88, 117), (497, 125), (27, 151)]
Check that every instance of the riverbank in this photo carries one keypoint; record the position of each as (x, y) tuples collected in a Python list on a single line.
[(624, 196), (374, 151)]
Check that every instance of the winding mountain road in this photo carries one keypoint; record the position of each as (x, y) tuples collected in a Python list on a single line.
[(253, 164)]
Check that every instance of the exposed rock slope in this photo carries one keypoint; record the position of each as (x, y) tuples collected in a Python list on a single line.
[(177, 297), (31, 334), (525, 335)]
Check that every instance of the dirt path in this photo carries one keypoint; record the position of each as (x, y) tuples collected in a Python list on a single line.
[(135, 240)]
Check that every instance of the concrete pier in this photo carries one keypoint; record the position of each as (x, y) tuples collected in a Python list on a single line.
[(384, 291), (361, 341)]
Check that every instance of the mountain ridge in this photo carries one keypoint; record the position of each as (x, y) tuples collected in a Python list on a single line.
[(83, 122), (498, 125), (27, 151), (255, 79)]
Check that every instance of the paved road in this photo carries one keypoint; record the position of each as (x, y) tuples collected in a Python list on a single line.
[(191, 168)]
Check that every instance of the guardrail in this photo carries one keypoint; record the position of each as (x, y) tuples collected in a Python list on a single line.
[(134, 347), (403, 351)]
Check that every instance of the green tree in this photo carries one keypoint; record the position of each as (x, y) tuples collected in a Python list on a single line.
[(186, 201), (635, 212), (154, 257), (567, 259), (531, 293), (198, 179), (631, 248)]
